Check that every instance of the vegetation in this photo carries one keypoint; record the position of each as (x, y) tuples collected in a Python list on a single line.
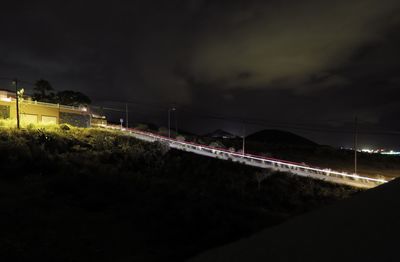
[(72, 98), (43, 93), (70, 194)]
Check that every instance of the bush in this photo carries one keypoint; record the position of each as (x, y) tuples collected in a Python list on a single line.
[(180, 138)]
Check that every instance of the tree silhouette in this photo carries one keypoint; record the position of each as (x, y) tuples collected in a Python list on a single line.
[(73, 98), (42, 89)]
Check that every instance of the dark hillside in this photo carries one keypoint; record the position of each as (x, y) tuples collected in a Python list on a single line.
[(279, 138), (363, 228), (95, 195)]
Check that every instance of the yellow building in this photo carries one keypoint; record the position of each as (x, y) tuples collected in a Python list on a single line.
[(39, 112)]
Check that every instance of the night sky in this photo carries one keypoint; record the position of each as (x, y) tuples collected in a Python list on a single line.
[(305, 66)]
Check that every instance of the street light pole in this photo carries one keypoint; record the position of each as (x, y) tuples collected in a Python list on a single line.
[(176, 122), (244, 138), (169, 121), (17, 100), (355, 144), (127, 115)]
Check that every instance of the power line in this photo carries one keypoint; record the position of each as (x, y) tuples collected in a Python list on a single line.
[(160, 107), (310, 127), (304, 127)]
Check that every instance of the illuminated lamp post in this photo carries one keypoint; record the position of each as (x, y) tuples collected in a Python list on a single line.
[(355, 144), (126, 116), (17, 101), (244, 138), (169, 120)]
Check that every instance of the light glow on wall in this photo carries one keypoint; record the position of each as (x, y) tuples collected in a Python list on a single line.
[(5, 99)]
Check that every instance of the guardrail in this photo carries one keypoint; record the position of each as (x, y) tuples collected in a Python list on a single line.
[(268, 162)]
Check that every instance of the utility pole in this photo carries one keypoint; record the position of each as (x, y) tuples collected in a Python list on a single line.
[(17, 101), (127, 115), (355, 143)]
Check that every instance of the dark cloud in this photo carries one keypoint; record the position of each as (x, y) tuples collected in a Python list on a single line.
[(321, 61), (287, 43)]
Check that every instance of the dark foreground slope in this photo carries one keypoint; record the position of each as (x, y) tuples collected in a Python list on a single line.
[(94, 195), (364, 228)]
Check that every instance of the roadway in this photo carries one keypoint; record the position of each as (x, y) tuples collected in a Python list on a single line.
[(294, 168)]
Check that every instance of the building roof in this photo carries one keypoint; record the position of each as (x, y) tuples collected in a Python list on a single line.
[(6, 90)]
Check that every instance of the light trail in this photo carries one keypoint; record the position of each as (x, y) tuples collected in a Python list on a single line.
[(261, 161)]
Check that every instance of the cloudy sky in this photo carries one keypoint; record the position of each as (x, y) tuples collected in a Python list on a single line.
[(307, 66)]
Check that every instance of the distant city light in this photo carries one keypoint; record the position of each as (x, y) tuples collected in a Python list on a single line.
[(375, 151), (366, 150), (391, 152)]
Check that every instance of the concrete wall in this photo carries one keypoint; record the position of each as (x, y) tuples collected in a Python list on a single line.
[(39, 111), (31, 111), (79, 120)]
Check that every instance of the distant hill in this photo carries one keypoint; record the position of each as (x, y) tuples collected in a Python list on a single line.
[(219, 133), (273, 137)]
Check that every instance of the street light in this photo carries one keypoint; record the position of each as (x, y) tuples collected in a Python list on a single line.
[(169, 120), (355, 143), (15, 82), (243, 138)]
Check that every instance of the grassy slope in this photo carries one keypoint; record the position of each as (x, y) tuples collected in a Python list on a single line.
[(88, 194)]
